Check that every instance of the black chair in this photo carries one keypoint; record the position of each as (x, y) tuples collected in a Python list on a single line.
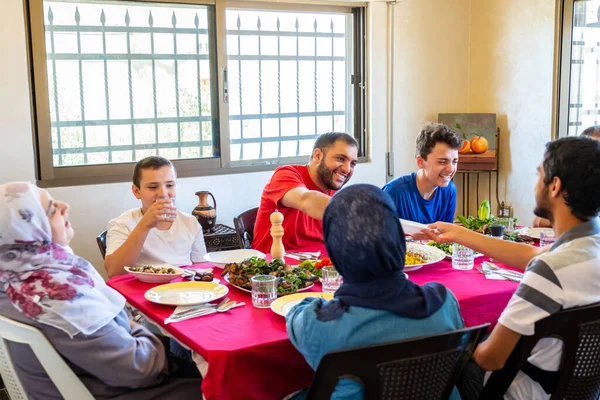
[(579, 371), (423, 368), (101, 240), (244, 226)]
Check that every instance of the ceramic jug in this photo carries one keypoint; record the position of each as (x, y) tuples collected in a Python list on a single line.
[(205, 213)]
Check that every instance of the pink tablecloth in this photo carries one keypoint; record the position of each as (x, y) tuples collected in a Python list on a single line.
[(248, 350)]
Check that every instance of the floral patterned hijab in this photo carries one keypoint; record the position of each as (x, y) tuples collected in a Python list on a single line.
[(44, 280)]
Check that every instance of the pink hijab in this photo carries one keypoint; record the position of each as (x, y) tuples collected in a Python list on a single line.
[(44, 280)]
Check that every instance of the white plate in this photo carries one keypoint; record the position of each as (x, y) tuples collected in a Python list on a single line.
[(220, 258), (226, 278), (433, 255), (411, 227), (284, 304), (534, 233), (186, 293), (156, 278)]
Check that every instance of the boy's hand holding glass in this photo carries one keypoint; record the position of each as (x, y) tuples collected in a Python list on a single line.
[(162, 210)]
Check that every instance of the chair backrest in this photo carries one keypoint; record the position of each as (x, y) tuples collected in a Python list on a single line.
[(101, 240), (67, 383), (423, 368), (244, 227), (579, 371)]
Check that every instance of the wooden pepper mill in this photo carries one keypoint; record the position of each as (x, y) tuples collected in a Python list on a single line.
[(277, 249)]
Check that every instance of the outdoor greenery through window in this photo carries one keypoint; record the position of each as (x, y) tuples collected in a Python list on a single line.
[(118, 81), (127, 81), (580, 68)]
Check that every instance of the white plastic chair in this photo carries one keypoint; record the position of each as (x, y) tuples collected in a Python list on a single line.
[(67, 383)]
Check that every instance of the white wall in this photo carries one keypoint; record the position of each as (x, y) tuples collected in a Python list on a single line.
[(431, 65), (477, 56), (93, 206), (511, 68)]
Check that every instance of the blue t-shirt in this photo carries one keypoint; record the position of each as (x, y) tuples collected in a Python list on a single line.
[(361, 327), (412, 206)]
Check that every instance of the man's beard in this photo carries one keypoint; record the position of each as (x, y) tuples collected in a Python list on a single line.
[(326, 176), (542, 209)]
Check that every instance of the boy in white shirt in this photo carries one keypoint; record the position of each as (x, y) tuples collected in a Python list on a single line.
[(156, 233)]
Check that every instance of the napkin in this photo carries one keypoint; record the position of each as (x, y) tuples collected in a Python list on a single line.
[(495, 277)]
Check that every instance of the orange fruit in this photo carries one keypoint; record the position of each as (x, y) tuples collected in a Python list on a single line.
[(465, 147), (479, 144)]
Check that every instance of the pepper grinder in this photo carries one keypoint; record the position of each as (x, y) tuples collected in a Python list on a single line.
[(277, 249)]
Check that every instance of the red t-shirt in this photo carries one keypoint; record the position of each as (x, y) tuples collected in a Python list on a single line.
[(301, 232)]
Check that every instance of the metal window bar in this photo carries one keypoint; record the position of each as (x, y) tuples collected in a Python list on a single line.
[(581, 47), (238, 58), (78, 29)]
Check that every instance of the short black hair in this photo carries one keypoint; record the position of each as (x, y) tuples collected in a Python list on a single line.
[(593, 130), (433, 133), (153, 163), (327, 140), (575, 161)]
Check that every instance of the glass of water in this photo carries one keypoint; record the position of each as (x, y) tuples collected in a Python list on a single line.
[(331, 279), (547, 238), (508, 223), (264, 290), (462, 257)]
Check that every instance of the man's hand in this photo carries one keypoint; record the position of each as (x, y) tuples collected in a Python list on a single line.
[(161, 211), (440, 232)]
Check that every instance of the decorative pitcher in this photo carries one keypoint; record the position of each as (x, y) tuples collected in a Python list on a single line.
[(205, 213)]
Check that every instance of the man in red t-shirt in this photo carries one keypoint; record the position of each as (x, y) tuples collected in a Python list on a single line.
[(301, 193)]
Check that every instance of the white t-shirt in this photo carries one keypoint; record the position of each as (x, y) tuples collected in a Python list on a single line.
[(565, 277), (182, 244)]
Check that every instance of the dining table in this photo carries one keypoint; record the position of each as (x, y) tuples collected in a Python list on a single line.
[(248, 350)]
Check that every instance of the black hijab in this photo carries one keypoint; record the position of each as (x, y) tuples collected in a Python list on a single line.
[(366, 244)]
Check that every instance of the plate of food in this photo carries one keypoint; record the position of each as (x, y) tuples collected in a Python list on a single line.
[(222, 258), (534, 233), (186, 293), (284, 304), (418, 255), (155, 273), (447, 248), (290, 279)]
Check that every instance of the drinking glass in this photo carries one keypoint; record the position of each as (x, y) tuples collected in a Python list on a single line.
[(462, 257), (264, 290), (172, 201), (508, 223), (331, 279), (546, 238)]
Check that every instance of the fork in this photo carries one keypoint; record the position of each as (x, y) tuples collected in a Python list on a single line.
[(200, 307), (510, 278)]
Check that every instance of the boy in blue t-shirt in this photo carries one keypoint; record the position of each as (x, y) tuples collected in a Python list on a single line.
[(429, 195)]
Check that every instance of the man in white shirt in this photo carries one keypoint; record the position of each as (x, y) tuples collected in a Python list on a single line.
[(564, 276), (156, 233)]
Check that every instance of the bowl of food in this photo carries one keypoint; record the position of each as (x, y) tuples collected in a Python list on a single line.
[(155, 273), (221, 258)]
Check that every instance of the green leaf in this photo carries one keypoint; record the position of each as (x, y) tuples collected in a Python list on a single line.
[(457, 126)]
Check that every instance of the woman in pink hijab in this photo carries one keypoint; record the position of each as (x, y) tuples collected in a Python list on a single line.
[(45, 285)]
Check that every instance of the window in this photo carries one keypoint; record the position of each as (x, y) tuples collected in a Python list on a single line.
[(580, 67), (117, 81)]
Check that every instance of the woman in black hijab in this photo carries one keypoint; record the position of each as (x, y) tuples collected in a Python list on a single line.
[(376, 303)]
